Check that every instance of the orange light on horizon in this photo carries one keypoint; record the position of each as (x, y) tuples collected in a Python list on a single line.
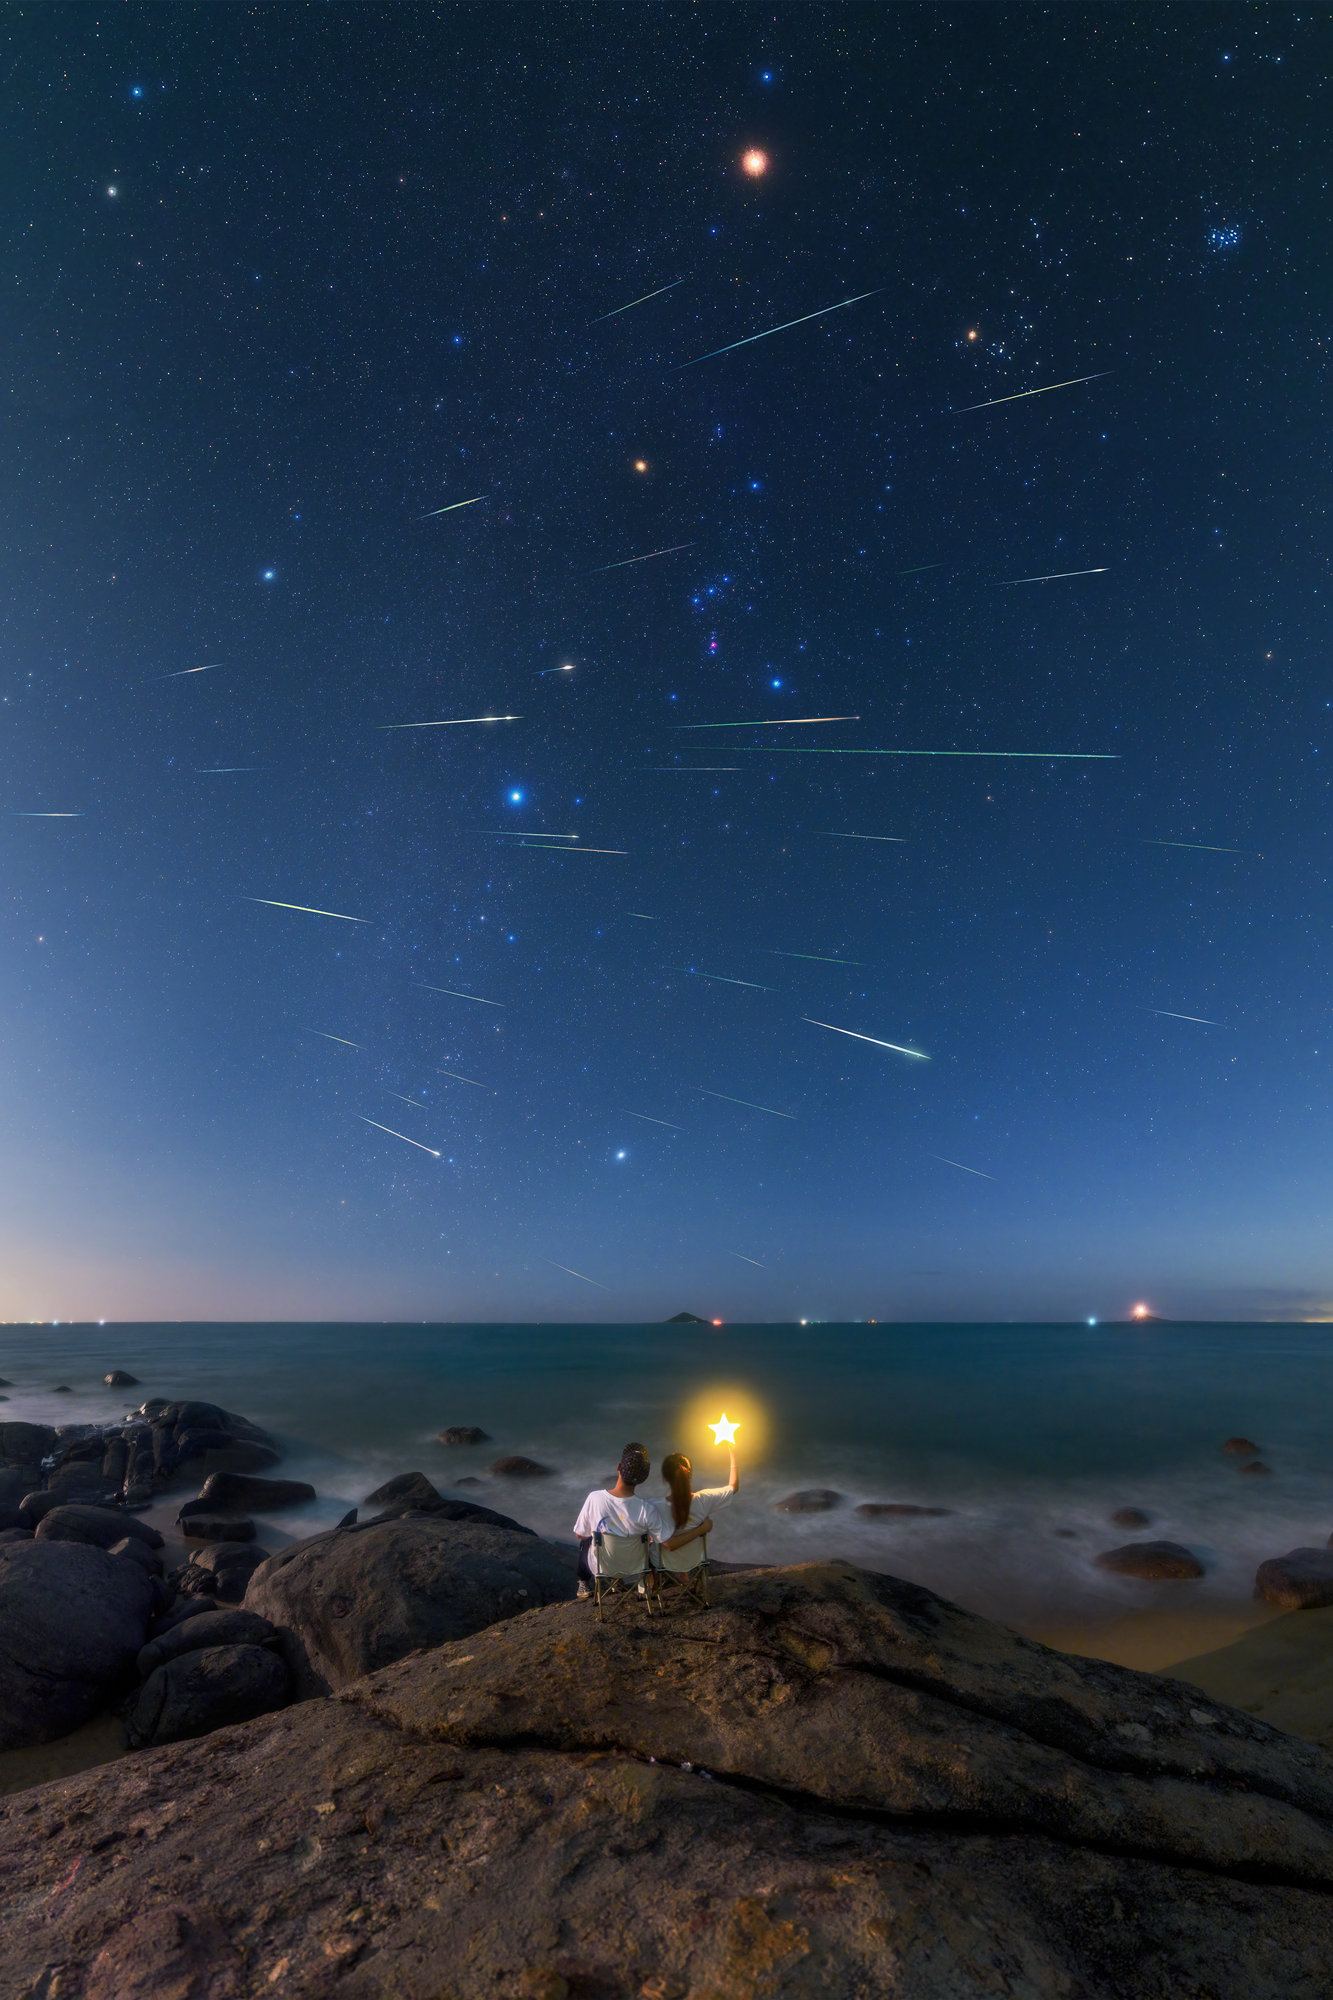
[(1141, 1311), (717, 1322), (755, 162)]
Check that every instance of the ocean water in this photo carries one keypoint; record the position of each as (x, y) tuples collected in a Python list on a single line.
[(1029, 1435)]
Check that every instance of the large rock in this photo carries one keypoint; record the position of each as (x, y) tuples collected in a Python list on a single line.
[(812, 1500), (243, 1493), (206, 1689), (119, 1378), (98, 1526), (72, 1619), (518, 1467), (462, 1434), (26, 1444), (356, 1598), (1155, 1562), (905, 1801), (232, 1627), (1300, 1581), (212, 1527), (403, 1486)]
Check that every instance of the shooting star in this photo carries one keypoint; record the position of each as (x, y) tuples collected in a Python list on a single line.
[(451, 722), (1072, 383), (1196, 845), (549, 847), (1185, 1017), (717, 977), (1007, 583), (815, 957), (331, 1038), (961, 1168), (305, 909), (181, 672), (895, 838), (450, 509), (454, 994), (643, 915), (1046, 756), (461, 1079), (522, 833), (748, 1260), (782, 722), (917, 568), (396, 1135), (414, 1101), (568, 669), (637, 302), (625, 561), (746, 1102), (897, 1047), (575, 1274), (17, 814), (223, 770), (655, 1121), (750, 338), (688, 770)]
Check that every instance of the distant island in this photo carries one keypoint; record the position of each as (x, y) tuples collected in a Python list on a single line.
[(685, 1319)]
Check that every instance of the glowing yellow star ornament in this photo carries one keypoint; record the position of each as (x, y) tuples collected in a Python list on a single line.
[(724, 1431)]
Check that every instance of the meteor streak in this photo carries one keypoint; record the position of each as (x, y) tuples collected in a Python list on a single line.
[(331, 1038), (1046, 756), (1072, 383), (655, 1121), (548, 847), (1184, 1017), (181, 672), (961, 1168), (223, 770), (625, 561), (782, 722), (460, 1079), (752, 337), (450, 722), (816, 957), (451, 508), (746, 1102), (718, 976), (1197, 845), (396, 1135), (684, 770), (637, 302), (416, 1101), (16, 814), (575, 1274), (897, 1047), (305, 909), (895, 838), (1007, 583), (454, 994), (749, 1260)]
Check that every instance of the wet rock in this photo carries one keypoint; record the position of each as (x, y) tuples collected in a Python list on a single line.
[(4, 1384), (15, 1534), (241, 1455), (518, 1467), (470, 1480), (445, 1509), (217, 1527), (812, 1500), (195, 1415), (243, 1493), (204, 1690), (874, 1510), (1239, 1447), (1256, 1470), (1131, 1517), (26, 1444), (1155, 1562), (16, 1481), (348, 1520), (232, 1627), (137, 1551), (463, 1434), (72, 1619), (61, 1389), (177, 1613), (119, 1379), (222, 1571), (1299, 1581), (357, 1598), (97, 1526), (403, 1486)]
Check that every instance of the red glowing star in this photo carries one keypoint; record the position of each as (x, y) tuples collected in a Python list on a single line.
[(755, 162)]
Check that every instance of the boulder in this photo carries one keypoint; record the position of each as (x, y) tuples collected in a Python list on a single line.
[(873, 1510), (16, 1481), (518, 1467), (15, 1534), (1155, 1562), (191, 1416), (1299, 1581), (1241, 1447), (98, 1526), (26, 1444), (357, 1598), (813, 1500), (217, 1527), (72, 1619), (241, 1455), (233, 1627), (242, 1493), (463, 1434), (1131, 1517), (10, 1517), (137, 1551), (222, 1571), (403, 1486), (118, 1378), (906, 1800), (451, 1510), (61, 1389), (177, 1613), (204, 1690), (4, 1384), (1257, 1470)]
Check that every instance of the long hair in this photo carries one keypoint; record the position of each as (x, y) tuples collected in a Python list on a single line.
[(676, 1472)]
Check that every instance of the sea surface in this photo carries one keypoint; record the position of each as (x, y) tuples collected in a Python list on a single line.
[(1030, 1436)]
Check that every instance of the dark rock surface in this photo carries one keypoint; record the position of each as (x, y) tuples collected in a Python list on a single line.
[(356, 1598), (518, 1467), (206, 1689), (445, 1509), (873, 1510), (212, 1527), (1239, 1447), (907, 1803), (685, 1319), (1257, 1470), (72, 1619), (244, 1493), (230, 1627), (221, 1570), (119, 1379), (138, 1551), (1299, 1581), (1131, 1517), (1155, 1562), (812, 1500), (99, 1527), (463, 1434), (403, 1486)]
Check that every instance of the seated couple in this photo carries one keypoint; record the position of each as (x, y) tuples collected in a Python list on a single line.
[(683, 1516)]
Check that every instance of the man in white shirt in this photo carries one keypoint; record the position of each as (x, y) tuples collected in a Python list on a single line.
[(617, 1509)]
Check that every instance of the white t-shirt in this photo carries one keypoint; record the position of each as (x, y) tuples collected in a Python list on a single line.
[(629, 1516), (706, 1501)]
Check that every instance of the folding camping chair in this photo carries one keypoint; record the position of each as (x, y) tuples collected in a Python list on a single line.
[(686, 1568), (619, 1565)]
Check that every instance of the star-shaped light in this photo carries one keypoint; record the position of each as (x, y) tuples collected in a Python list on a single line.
[(724, 1431)]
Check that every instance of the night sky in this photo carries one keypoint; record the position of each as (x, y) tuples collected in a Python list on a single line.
[(282, 281)]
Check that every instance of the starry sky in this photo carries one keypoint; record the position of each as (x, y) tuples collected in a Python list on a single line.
[(641, 1012)]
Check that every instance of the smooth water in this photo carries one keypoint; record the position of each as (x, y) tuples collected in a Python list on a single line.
[(1030, 1435)]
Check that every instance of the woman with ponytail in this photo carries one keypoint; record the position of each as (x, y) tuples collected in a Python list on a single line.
[(687, 1512)]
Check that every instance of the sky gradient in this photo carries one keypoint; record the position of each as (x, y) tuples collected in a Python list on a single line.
[(283, 283)]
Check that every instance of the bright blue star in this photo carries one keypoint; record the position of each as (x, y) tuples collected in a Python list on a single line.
[(776, 684), (516, 798), (136, 90), (620, 1156), (269, 575)]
